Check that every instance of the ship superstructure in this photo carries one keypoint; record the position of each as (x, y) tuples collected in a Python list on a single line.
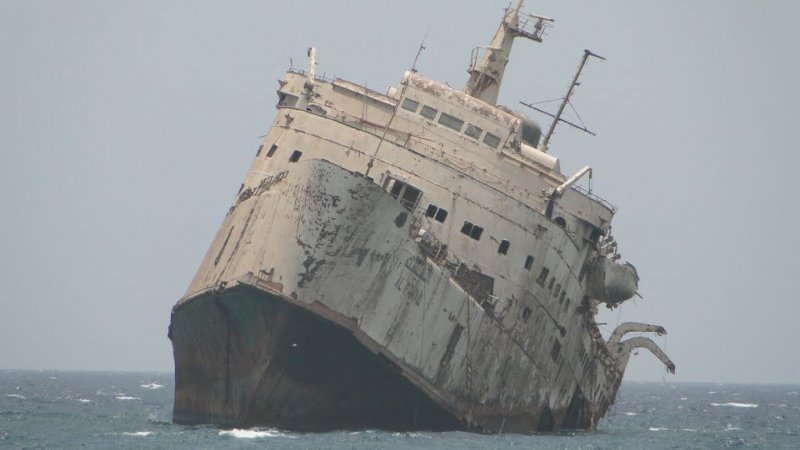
[(408, 260)]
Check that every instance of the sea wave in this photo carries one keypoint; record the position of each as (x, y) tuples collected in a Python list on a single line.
[(658, 429), (126, 397), (138, 433), (254, 433), (631, 414), (15, 396), (152, 386), (736, 405)]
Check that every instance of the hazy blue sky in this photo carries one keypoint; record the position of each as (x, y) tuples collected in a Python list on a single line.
[(126, 128)]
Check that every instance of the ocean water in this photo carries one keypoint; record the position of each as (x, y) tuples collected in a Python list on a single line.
[(94, 410)]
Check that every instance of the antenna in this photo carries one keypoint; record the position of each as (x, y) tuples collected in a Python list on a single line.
[(421, 48), (557, 117)]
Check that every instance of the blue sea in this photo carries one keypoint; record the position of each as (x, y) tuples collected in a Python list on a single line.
[(96, 410)]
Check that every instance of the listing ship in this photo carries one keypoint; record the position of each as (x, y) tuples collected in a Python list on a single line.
[(408, 260)]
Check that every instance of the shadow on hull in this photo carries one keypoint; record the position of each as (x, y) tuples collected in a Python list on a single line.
[(246, 358)]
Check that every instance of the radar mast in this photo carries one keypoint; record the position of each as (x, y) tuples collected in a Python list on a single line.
[(488, 64)]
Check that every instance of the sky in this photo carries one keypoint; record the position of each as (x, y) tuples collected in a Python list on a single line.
[(126, 128)]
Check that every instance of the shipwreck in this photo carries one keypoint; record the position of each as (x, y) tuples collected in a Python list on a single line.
[(413, 259)]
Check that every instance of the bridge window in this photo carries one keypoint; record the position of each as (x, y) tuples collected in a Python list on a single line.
[(543, 276), (452, 122), (272, 150), (407, 194), (561, 222), (295, 156), (436, 213), (410, 105), (260, 148), (472, 230), (491, 140), (528, 262), (428, 112), (503, 248), (557, 291), (473, 131)]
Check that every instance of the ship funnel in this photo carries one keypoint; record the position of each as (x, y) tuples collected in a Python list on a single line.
[(487, 64)]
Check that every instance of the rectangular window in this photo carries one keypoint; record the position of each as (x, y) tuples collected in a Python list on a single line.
[(260, 147), (410, 197), (561, 297), (272, 150), (410, 105), (407, 194), (441, 215), (473, 131), (491, 140), (472, 230), (452, 122), (476, 232), (466, 228), (543, 276), (550, 286), (431, 211), (295, 156), (503, 248), (528, 262), (557, 291), (428, 112)]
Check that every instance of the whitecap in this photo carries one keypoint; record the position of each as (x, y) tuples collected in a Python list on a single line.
[(84, 400), (657, 429), (254, 433), (792, 393), (152, 386), (712, 392), (126, 397), (736, 405), (684, 398), (15, 396), (138, 433), (691, 430), (631, 414), (731, 428)]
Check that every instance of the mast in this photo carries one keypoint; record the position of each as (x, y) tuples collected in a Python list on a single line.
[(557, 118), (487, 65)]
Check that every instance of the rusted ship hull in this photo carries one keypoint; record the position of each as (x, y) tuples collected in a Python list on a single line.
[(245, 357), (318, 306)]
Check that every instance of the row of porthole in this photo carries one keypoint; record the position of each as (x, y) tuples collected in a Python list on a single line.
[(452, 122)]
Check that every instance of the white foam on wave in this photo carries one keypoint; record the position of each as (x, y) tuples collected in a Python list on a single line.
[(691, 430), (792, 393), (138, 433), (731, 428), (712, 392), (254, 433), (410, 434), (126, 397), (658, 429), (631, 414), (84, 400), (684, 398), (15, 396), (152, 386), (736, 405)]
